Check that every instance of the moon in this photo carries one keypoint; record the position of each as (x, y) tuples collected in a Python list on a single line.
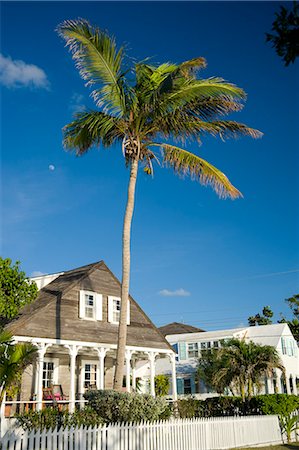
[(51, 167)]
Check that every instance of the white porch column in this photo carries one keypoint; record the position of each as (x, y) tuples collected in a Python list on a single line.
[(73, 352), (152, 359), (278, 381), (128, 356), (134, 374), (42, 348), (173, 378), (102, 354)]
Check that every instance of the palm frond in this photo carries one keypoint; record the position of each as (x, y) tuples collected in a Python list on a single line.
[(98, 61), (186, 163), (189, 68), (181, 125), (92, 128)]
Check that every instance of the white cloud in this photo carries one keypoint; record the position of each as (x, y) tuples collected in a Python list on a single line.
[(176, 293), (37, 273), (17, 73), (77, 103)]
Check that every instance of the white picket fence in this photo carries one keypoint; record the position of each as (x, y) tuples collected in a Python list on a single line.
[(178, 434)]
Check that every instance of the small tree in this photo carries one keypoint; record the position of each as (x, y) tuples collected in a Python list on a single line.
[(161, 385), (293, 303), (16, 290), (14, 358), (285, 39), (238, 365), (262, 319)]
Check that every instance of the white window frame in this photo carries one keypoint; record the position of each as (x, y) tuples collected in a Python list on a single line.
[(194, 349), (111, 310), (82, 372), (55, 362), (98, 305)]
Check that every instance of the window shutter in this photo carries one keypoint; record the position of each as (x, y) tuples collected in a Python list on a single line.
[(180, 386), (175, 347), (99, 306), (110, 308), (283, 345), (82, 305), (182, 351)]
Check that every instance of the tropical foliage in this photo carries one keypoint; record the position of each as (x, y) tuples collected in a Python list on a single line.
[(162, 385), (285, 36), (266, 317), (239, 366), (16, 290), (261, 319), (13, 360), (149, 110)]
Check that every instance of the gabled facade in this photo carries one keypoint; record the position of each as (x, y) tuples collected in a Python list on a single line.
[(74, 324), (188, 347)]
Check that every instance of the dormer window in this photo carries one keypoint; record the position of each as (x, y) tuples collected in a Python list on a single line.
[(90, 305)]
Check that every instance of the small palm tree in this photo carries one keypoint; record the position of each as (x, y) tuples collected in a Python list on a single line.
[(146, 111), (14, 358), (240, 364)]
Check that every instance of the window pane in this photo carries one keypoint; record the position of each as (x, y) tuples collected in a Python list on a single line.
[(116, 310)]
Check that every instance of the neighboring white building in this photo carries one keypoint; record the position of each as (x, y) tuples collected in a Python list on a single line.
[(188, 346)]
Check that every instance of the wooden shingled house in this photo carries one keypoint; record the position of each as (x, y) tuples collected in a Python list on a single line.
[(74, 324)]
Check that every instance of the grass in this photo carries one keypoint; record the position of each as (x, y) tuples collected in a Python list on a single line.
[(275, 447)]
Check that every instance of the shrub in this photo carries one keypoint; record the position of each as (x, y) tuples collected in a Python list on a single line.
[(50, 418), (114, 406), (280, 404)]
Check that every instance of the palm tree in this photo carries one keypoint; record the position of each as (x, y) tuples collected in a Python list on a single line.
[(14, 358), (239, 365), (147, 112)]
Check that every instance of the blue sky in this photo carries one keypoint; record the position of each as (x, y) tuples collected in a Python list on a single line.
[(195, 258)]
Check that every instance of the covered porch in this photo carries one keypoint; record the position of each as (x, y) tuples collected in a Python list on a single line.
[(74, 367)]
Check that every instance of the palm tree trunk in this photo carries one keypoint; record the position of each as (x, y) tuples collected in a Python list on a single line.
[(126, 257)]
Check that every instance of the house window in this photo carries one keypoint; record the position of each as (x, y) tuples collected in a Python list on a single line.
[(193, 350), (50, 372), (90, 375), (203, 345), (114, 305), (216, 344), (115, 310), (90, 305), (187, 386)]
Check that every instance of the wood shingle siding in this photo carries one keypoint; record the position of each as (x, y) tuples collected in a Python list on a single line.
[(55, 313)]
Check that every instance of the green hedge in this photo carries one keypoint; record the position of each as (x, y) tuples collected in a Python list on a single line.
[(114, 406), (281, 404), (50, 418)]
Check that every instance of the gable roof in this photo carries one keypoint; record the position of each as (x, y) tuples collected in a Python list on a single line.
[(179, 328), (54, 314)]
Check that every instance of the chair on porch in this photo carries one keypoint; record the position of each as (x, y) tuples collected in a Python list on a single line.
[(48, 393), (58, 392), (55, 394)]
